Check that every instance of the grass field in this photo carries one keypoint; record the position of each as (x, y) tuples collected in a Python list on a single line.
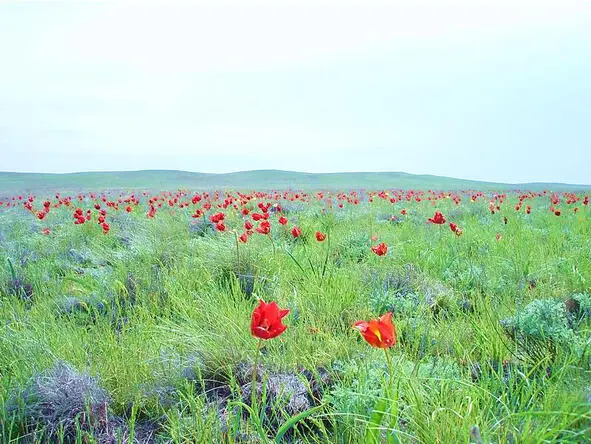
[(157, 180), (140, 330)]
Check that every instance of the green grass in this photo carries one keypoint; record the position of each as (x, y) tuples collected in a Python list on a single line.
[(157, 180), (162, 312)]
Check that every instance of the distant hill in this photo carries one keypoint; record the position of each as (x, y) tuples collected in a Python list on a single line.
[(157, 180)]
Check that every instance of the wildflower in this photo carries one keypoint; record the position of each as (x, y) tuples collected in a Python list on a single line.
[(296, 232), (264, 227), (248, 225), (282, 220), (128, 208), (320, 236), (380, 249), (243, 238), (454, 227), (266, 320), (220, 226), (438, 218), (379, 333), (106, 227), (218, 217)]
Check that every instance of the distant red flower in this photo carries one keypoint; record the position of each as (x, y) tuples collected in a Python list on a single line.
[(218, 217), (379, 333), (282, 220), (380, 249), (248, 225), (264, 227), (128, 208), (220, 226), (266, 320), (245, 211), (41, 215), (256, 217), (320, 236), (557, 212), (46, 231), (296, 232), (106, 227), (454, 227), (438, 218), (403, 212), (243, 238)]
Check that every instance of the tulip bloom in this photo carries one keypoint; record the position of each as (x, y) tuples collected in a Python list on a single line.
[(380, 249), (266, 320), (296, 232), (454, 227), (264, 227), (282, 220), (379, 333), (320, 236), (438, 218)]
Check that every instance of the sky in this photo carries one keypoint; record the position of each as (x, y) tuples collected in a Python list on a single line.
[(497, 91)]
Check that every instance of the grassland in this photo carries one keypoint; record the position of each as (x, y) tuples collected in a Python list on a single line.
[(142, 334), (157, 180)]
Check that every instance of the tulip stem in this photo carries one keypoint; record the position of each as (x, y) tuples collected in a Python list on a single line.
[(237, 250), (254, 375), (390, 371), (272, 242)]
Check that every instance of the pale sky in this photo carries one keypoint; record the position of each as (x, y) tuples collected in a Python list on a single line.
[(497, 91)]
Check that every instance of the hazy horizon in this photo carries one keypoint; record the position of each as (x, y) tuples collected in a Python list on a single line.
[(491, 91)]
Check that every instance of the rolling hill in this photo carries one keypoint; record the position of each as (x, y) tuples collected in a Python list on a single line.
[(157, 180)]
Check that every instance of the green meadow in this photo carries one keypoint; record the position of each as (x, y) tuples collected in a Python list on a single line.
[(143, 334)]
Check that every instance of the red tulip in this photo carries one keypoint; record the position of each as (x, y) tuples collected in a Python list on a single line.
[(438, 218), (220, 226), (380, 249), (454, 227), (380, 333), (282, 220), (243, 238), (320, 236), (266, 320), (264, 227), (218, 217), (296, 232), (248, 225)]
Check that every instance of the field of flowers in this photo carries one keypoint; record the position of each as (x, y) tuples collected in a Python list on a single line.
[(390, 316)]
